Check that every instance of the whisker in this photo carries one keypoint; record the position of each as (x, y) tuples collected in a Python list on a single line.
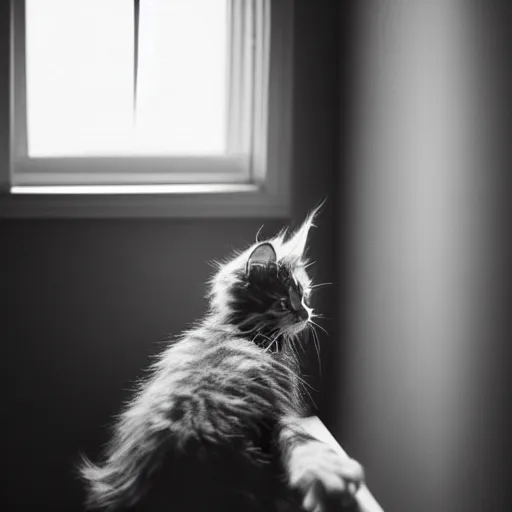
[(305, 390), (273, 341), (264, 335), (319, 315), (319, 326), (297, 341), (302, 381), (291, 345), (320, 284), (304, 387), (316, 343)]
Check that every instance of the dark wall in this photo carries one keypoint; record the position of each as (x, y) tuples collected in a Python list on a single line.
[(83, 303)]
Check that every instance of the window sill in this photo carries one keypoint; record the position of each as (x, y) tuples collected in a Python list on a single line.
[(143, 201)]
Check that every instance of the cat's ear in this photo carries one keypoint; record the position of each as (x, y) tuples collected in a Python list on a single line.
[(295, 246), (263, 255)]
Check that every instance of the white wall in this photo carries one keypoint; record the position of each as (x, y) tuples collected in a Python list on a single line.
[(426, 269)]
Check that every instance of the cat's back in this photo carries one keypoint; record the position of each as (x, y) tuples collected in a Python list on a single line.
[(221, 393), (213, 368)]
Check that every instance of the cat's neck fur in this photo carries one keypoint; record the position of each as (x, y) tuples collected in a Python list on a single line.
[(216, 326)]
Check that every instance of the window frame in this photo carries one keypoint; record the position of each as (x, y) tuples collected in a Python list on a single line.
[(221, 185)]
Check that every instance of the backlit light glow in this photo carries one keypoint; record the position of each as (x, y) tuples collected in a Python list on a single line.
[(80, 67)]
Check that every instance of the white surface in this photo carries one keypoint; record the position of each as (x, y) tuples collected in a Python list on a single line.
[(316, 428)]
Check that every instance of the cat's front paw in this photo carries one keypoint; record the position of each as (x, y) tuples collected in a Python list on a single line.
[(326, 480)]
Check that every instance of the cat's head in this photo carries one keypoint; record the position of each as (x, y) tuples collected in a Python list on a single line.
[(265, 290)]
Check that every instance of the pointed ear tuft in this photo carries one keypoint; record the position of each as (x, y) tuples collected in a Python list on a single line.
[(262, 255), (296, 245)]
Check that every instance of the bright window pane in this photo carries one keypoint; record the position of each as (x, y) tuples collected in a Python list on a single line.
[(79, 56), (182, 81)]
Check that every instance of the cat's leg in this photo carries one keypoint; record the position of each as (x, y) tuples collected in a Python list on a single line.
[(325, 479)]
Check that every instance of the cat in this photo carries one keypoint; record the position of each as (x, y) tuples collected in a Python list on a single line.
[(216, 425)]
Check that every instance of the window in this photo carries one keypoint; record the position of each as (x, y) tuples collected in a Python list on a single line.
[(166, 97), (140, 78)]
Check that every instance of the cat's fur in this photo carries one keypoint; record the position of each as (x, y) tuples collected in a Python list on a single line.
[(208, 429)]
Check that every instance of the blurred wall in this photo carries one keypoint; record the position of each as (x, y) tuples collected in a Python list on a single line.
[(426, 317), (83, 303)]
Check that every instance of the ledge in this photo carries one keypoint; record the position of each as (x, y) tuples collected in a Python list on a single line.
[(314, 426), (143, 201), (180, 188)]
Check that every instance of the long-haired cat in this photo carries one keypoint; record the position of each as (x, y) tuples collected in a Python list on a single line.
[(214, 426)]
